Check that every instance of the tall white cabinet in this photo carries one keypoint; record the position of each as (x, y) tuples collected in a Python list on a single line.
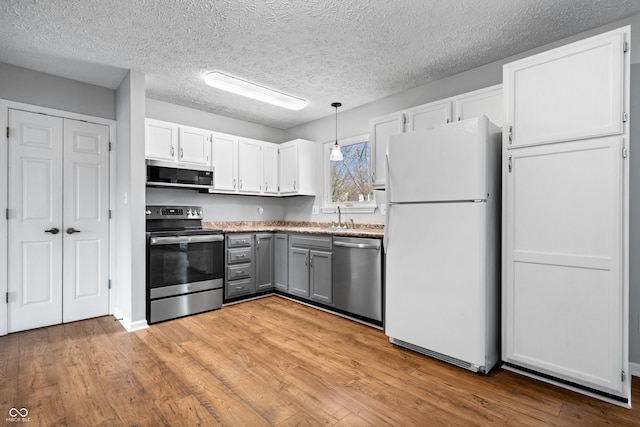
[(565, 216)]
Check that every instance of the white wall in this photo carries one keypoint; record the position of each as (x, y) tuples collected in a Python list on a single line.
[(45, 90), (130, 286)]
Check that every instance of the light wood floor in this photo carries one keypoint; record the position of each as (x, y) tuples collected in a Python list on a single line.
[(265, 362)]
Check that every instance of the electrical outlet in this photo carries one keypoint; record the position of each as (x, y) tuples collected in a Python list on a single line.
[(383, 208), (315, 210), (260, 210)]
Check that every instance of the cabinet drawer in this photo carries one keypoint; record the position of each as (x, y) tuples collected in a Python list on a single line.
[(237, 256), (239, 287), (238, 240), (312, 242), (239, 272)]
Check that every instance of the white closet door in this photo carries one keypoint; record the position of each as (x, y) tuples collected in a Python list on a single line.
[(86, 210), (563, 294), (35, 203)]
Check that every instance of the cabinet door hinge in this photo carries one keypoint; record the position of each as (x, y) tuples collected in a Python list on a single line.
[(109, 213), (510, 134), (109, 145), (109, 283), (6, 213), (6, 297), (7, 132), (624, 152), (625, 117), (625, 47), (623, 376), (510, 163)]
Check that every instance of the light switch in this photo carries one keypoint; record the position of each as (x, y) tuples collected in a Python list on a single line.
[(315, 210)]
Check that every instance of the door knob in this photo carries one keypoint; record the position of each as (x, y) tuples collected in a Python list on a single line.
[(72, 230), (53, 230)]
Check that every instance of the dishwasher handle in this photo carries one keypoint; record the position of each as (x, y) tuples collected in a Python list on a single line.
[(356, 245)]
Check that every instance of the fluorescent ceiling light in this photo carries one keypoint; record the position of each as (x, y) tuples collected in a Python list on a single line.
[(250, 90)]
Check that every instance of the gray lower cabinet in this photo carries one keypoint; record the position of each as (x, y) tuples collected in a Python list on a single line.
[(281, 262), (320, 273), (239, 279), (264, 262), (310, 271), (299, 272)]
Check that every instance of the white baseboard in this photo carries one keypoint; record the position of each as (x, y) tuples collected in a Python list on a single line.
[(128, 324), (634, 368)]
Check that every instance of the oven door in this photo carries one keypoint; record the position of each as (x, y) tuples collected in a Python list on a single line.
[(179, 264)]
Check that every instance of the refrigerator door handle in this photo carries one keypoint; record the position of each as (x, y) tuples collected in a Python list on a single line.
[(385, 239)]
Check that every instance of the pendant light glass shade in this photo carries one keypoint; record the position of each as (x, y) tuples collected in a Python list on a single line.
[(336, 152)]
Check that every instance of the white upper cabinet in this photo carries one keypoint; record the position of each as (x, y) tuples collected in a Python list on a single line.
[(487, 102), (483, 102), (270, 168), (298, 167), (195, 146), (428, 116), (249, 165), (224, 156), (175, 143), (566, 93), (161, 140), (380, 130)]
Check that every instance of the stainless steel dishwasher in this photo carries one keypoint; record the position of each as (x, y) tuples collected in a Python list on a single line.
[(357, 276)]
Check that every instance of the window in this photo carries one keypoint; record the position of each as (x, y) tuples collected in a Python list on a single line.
[(347, 182)]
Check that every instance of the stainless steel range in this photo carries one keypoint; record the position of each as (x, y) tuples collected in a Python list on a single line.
[(185, 264)]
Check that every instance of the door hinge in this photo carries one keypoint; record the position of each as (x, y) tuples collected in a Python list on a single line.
[(7, 132), (510, 134), (405, 119), (624, 152), (6, 213), (109, 283), (109, 213), (510, 163), (623, 375), (6, 297), (109, 145), (625, 47), (625, 117)]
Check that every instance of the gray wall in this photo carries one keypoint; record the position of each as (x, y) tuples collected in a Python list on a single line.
[(355, 121), (36, 88), (129, 210), (160, 110)]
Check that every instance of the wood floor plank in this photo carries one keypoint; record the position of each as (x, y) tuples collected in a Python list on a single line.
[(270, 361)]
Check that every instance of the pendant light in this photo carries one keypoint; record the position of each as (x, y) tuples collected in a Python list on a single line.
[(336, 152)]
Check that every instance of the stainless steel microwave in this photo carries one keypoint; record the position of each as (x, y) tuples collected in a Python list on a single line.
[(169, 174)]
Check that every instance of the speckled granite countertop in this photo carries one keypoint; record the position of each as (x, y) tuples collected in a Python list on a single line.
[(360, 230)]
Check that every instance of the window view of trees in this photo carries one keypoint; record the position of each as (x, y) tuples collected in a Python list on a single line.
[(350, 177)]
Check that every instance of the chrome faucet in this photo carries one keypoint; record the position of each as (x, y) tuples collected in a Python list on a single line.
[(339, 218)]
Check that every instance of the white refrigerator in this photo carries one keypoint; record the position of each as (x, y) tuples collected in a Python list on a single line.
[(442, 242)]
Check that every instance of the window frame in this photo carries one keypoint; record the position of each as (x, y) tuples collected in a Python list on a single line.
[(345, 207)]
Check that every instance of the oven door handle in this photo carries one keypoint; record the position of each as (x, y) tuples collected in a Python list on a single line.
[(172, 240)]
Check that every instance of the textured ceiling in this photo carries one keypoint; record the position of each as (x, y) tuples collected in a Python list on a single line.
[(353, 51)]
